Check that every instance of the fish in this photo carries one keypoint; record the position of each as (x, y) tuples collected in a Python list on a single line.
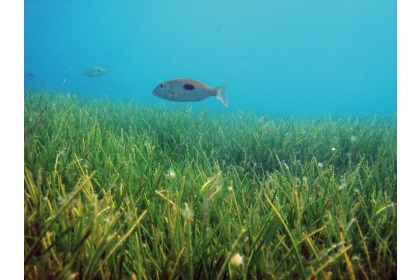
[(95, 71), (189, 90), (29, 76)]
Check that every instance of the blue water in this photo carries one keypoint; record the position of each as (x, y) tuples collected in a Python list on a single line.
[(300, 58)]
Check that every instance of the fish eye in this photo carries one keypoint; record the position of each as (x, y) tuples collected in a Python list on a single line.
[(162, 85)]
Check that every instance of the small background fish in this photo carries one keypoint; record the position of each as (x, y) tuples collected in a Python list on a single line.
[(30, 76), (187, 90), (95, 71)]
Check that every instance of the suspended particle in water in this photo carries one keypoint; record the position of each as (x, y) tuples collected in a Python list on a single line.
[(342, 186), (187, 213), (237, 260), (171, 173)]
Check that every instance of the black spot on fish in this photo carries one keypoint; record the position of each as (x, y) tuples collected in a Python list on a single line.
[(162, 85), (189, 87)]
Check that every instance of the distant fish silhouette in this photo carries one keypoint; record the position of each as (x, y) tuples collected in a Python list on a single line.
[(95, 71), (29, 76)]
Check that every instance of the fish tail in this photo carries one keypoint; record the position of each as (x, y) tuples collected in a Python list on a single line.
[(222, 92)]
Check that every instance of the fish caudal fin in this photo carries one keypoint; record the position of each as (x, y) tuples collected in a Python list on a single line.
[(222, 92)]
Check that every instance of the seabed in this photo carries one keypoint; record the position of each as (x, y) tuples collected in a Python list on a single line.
[(123, 190)]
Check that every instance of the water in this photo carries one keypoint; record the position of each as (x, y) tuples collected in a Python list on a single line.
[(283, 58), (300, 58)]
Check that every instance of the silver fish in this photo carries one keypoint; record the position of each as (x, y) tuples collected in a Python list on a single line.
[(186, 90), (95, 71)]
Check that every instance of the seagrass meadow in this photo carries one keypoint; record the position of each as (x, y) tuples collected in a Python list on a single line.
[(124, 190)]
